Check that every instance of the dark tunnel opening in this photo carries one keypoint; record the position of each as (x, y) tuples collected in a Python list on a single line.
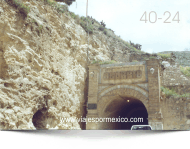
[(130, 112)]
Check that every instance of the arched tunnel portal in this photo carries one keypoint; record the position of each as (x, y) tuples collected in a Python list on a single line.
[(126, 111), (128, 90)]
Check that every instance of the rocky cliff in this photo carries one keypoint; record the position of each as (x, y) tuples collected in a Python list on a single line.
[(43, 67), (43, 64)]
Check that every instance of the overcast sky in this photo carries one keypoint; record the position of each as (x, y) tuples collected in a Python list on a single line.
[(123, 16)]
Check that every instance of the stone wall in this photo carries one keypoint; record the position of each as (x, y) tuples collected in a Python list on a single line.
[(176, 113), (175, 110), (172, 75)]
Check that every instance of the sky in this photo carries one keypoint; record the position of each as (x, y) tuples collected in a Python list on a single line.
[(123, 16)]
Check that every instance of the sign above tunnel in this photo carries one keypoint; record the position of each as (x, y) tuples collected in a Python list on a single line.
[(123, 74)]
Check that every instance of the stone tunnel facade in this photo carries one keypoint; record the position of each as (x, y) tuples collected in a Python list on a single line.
[(112, 84)]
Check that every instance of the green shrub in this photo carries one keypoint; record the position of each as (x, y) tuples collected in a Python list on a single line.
[(61, 8), (164, 56), (23, 9), (77, 19), (185, 70), (168, 92), (128, 46), (73, 15), (50, 2), (83, 23), (101, 28), (151, 57), (58, 7), (185, 95), (135, 50), (83, 18), (171, 92)]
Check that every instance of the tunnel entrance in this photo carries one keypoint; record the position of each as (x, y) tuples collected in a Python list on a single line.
[(138, 82), (127, 111)]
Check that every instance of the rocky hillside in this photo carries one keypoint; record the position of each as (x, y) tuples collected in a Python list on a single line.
[(43, 63), (182, 57)]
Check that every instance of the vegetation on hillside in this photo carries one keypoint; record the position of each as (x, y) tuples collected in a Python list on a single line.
[(171, 92), (94, 25), (60, 8), (164, 56), (23, 9), (89, 27), (185, 70), (152, 57)]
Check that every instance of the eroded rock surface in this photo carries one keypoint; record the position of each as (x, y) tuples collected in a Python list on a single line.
[(42, 67)]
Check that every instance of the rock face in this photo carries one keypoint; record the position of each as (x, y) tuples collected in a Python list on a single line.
[(42, 68)]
